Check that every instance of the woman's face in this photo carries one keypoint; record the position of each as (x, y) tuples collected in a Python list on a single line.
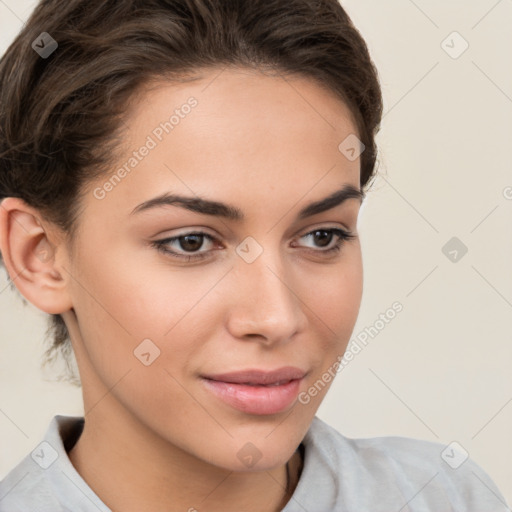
[(266, 294)]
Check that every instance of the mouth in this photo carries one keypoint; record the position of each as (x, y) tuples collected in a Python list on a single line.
[(257, 391)]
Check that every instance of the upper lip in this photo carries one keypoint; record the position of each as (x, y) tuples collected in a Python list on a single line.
[(261, 377)]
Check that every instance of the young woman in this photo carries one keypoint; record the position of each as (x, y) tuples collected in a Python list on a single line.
[(180, 185)]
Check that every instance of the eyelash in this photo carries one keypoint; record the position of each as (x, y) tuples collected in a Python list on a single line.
[(160, 245)]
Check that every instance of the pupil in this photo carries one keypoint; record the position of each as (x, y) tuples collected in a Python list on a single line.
[(329, 236), (194, 246)]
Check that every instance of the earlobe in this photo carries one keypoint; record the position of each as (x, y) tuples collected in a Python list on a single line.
[(29, 255)]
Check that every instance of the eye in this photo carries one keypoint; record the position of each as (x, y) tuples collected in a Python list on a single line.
[(325, 236), (193, 241), (188, 242)]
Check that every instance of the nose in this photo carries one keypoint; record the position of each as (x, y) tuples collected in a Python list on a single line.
[(268, 305)]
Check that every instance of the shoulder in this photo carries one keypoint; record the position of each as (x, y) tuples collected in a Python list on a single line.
[(397, 469), (26, 486), (45, 480)]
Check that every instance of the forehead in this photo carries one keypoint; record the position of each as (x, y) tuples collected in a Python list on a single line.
[(241, 97), (232, 133), (240, 108)]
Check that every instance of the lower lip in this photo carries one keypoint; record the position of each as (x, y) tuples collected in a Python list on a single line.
[(256, 399)]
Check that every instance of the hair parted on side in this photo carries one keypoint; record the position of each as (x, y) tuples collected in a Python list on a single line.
[(61, 117)]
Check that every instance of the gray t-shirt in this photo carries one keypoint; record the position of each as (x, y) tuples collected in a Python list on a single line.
[(382, 474)]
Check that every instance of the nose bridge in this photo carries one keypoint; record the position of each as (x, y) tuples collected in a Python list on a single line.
[(267, 304)]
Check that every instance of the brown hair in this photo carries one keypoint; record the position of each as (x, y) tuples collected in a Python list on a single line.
[(61, 116)]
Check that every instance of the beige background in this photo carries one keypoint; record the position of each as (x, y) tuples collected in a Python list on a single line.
[(440, 370)]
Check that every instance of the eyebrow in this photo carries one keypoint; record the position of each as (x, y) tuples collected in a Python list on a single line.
[(230, 212)]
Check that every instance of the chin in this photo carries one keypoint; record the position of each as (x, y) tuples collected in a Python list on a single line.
[(257, 449)]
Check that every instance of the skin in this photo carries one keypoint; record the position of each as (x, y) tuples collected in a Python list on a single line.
[(154, 437)]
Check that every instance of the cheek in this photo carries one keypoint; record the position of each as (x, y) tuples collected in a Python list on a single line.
[(126, 302), (336, 307), (138, 337), (336, 297)]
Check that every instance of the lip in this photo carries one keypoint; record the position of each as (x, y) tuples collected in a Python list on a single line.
[(261, 377), (255, 391)]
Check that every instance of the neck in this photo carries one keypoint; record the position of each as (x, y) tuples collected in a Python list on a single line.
[(132, 469)]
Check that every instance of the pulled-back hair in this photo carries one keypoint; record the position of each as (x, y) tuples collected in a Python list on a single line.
[(61, 116)]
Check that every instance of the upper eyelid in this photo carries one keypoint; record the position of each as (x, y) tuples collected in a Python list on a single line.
[(215, 239), (204, 232)]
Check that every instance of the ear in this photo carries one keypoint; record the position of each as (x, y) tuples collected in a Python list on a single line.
[(29, 252)]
